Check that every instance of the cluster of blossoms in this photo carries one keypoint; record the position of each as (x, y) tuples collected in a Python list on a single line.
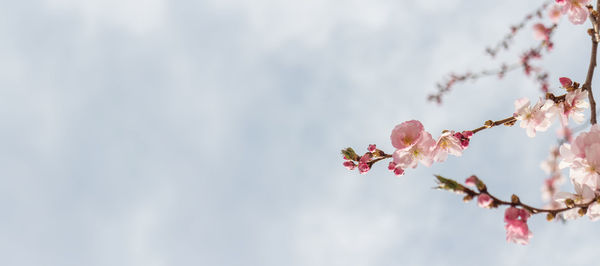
[(516, 219), (555, 178), (483, 199), (539, 116), (576, 10), (413, 144), (364, 161), (583, 158), (581, 154), (516, 225)]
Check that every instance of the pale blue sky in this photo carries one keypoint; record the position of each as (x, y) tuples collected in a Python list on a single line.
[(208, 133)]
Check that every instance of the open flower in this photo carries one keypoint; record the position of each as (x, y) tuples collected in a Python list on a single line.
[(420, 152), (516, 227), (583, 194), (574, 105), (575, 9), (583, 158), (534, 118), (407, 134), (447, 144)]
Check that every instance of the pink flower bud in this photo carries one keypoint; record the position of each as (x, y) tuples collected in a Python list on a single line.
[(540, 32), (391, 166), (372, 148), (484, 200), (565, 82), (471, 181), (363, 168), (366, 158), (349, 164), (398, 171)]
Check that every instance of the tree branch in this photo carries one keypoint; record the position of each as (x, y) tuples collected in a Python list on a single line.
[(587, 85)]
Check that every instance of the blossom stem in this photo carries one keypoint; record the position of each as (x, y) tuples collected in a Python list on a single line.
[(516, 202), (535, 210), (590, 73), (490, 124)]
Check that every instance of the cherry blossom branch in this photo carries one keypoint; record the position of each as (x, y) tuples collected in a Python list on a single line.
[(587, 85), (514, 29), (533, 53), (452, 185)]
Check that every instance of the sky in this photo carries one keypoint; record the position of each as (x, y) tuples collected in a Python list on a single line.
[(208, 133)]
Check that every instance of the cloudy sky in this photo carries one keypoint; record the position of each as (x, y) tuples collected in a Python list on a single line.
[(208, 133)]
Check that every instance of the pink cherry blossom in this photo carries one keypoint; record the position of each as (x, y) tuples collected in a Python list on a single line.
[(575, 9), (484, 200), (516, 227), (540, 32), (576, 151), (407, 134), (447, 144), (556, 178), (534, 118), (422, 151), (594, 211), (583, 158), (554, 13), (583, 194), (574, 105)]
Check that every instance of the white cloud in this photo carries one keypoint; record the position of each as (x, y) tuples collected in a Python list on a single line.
[(137, 16)]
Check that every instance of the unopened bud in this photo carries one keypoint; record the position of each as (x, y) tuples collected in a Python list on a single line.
[(590, 31), (489, 123), (514, 199), (582, 211), (378, 153), (550, 216), (570, 203)]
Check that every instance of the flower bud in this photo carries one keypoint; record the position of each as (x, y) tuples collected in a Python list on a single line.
[(570, 203), (372, 147), (582, 211), (514, 199), (550, 216)]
